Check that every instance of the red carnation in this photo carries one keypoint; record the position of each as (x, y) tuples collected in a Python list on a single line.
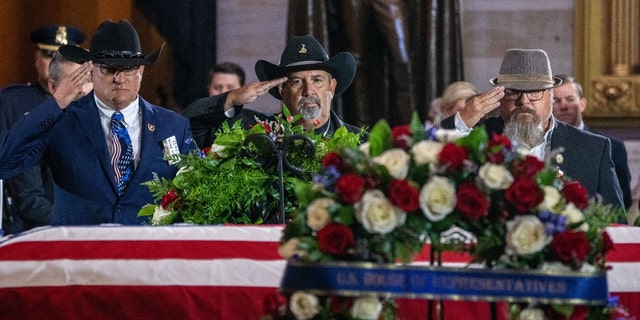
[(575, 193), (403, 195), (452, 156), (401, 136), (570, 247), (167, 198), (499, 140), (527, 168), (471, 202), (524, 195), (335, 238), (350, 188)]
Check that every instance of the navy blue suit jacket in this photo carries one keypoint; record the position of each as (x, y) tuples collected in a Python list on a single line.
[(74, 145), (586, 157)]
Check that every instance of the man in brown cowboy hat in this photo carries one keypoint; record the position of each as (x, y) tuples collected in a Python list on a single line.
[(312, 81), (103, 146), (523, 96)]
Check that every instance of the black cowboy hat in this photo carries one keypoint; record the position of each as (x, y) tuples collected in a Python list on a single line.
[(113, 44), (306, 53)]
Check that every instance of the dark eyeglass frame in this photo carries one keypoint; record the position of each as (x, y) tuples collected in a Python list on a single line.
[(515, 95), (114, 70)]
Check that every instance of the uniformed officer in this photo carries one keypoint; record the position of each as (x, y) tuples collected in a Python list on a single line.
[(28, 197)]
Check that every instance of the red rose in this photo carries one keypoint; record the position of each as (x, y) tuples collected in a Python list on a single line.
[(335, 238), (570, 247), (167, 198), (575, 193), (452, 156), (499, 140), (334, 159), (206, 150), (524, 195), (403, 195), (341, 304), (471, 202), (401, 136), (496, 157), (350, 188), (527, 168)]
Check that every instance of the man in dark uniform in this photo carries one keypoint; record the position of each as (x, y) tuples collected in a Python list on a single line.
[(28, 197)]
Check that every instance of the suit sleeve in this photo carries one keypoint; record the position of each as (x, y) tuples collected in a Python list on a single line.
[(29, 192), (23, 146), (206, 115), (619, 156)]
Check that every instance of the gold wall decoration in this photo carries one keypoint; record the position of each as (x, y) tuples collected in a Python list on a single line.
[(607, 61)]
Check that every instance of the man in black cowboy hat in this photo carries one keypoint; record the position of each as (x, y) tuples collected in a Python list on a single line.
[(103, 146), (523, 96), (28, 197), (312, 81)]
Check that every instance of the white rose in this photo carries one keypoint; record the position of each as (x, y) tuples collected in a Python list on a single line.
[(396, 161), (303, 305), (495, 176), (218, 150), (366, 308), (160, 216), (574, 215), (525, 235), (450, 135), (290, 248), (426, 151), (531, 314), (365, 147), (318, 213), (551, 199), (437, 198), (377, 214)]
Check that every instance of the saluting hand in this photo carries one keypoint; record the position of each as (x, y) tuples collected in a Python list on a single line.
[(250, 92), (71, 87), (478, 106)]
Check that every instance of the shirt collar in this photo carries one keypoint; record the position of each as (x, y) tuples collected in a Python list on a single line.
[(130, 112)]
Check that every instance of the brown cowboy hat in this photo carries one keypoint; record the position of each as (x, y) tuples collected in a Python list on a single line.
[(306, 53), (113, 44), (526, 70)]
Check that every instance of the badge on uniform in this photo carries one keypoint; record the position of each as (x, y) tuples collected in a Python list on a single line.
[(171, 150)]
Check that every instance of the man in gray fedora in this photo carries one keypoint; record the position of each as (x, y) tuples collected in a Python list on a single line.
[(523, 97)]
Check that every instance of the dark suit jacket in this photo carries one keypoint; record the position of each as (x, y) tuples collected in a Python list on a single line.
[(587, 157), (206, 116), (620, 160), (74, 145)]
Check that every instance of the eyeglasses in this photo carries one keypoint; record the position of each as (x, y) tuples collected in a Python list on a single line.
[(514, 95), (114, 70)]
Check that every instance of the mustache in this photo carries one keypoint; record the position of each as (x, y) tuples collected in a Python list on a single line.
[(305, 100)]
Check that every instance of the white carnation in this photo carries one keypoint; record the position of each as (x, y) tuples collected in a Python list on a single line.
[(366, 308), (160, 216)]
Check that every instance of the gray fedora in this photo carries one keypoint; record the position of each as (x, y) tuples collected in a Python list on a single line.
[(526, 70)]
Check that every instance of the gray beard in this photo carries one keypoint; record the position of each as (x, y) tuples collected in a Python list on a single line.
[(310, 112), (524, 130)]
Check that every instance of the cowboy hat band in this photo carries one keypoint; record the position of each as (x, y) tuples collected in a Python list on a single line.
[(113, 44), (306, 53)]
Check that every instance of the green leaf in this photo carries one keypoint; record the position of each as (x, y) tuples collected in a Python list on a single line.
[(380, 138), (147, 210)]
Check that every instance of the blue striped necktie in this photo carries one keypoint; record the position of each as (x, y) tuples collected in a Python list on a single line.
[(121, 152)]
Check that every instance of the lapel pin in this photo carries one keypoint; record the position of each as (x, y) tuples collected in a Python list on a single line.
[(559, 159), (151, 127)]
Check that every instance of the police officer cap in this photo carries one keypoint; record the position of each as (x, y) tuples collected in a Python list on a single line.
[(50, 38)]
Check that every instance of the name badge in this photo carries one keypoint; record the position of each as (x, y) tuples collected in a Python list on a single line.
[(171, 150)]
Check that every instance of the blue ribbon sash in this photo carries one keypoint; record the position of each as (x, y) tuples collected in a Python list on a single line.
[(388, 280)]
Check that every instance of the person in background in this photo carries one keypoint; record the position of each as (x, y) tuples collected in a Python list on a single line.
[(568, 105), (224, 77), (455, 96), (28, 197), (434, 115), (306, 80), (103, 146), (524, 97)]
